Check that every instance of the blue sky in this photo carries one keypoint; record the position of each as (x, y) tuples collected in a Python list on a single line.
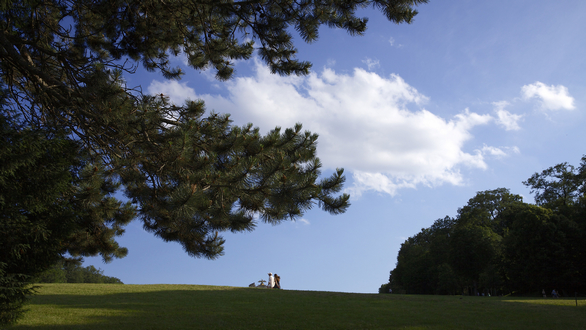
[(472, 96)]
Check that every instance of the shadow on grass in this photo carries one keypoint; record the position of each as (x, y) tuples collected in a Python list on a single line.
[(190, 309), (173, 309), (244, 308)]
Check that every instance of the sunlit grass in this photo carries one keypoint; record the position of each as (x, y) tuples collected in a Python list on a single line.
[(550, 301), (111, 306)]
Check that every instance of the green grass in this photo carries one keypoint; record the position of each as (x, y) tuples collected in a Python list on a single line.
[(111, 306)]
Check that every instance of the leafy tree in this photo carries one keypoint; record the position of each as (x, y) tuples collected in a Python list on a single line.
[(491, 279), (93, 275), (473, 249), (486, 207), (419, 258), (384, 288), (456, 253), (561, 187), (55, 274), (439, 245), (447, 282), (412, 272), (538, 250), (71, 272), (475, 246), (497, 242)]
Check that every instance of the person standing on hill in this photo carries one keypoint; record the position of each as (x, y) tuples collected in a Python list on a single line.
[(271, 283), (277, 281)]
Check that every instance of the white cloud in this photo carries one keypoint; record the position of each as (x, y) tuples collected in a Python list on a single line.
[(551, 97), (371, 64), (498, 152), (181, 59), (373, 126), (301, 223), (492, 151), (506, 119), (380, 182)]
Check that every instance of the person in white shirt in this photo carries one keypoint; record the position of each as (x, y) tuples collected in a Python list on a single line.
[(271, 283)]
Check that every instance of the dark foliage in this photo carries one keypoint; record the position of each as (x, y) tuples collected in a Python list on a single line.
[(52, 201), (498, 244), (72, 272), (189, 176)]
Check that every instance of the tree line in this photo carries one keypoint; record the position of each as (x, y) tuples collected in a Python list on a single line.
[(498, 244), (70, 272)]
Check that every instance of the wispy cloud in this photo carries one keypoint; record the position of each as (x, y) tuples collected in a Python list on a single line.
[(304, 221), (375, 127), (498, 152), (371, 64), (394, 43), (551, 97)]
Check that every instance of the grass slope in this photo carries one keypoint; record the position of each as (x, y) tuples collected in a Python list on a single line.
[(111, 306)]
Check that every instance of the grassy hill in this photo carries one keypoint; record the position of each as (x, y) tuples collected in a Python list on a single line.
[(116, 306)]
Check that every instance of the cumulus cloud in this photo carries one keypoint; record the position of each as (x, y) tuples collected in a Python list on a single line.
[(375, 127), (551, 97), (506, 119)]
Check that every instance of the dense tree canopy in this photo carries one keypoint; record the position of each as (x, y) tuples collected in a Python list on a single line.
[(52, 201), (62, 66), (498, 243), (189, 174), (69, 272)]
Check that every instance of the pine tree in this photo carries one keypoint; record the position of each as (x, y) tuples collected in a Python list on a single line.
[(189, 175), (52, 201)]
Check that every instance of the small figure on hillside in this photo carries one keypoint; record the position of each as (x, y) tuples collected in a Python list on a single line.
[(543, 293), (271, 281), (390, 290), (554, 294), (262, 283), (277, 281)]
